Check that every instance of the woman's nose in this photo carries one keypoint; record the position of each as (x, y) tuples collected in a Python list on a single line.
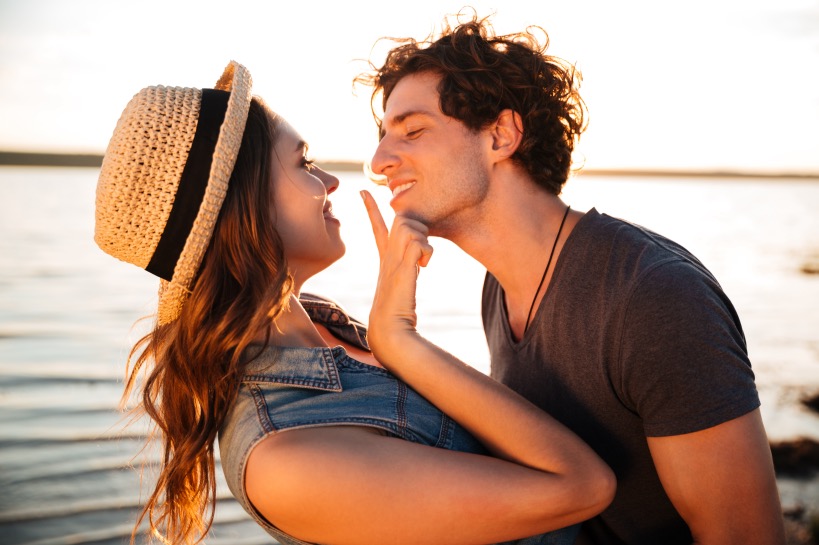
[(331, 183)]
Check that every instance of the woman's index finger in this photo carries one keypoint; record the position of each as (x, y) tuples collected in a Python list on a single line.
[(380, 231)]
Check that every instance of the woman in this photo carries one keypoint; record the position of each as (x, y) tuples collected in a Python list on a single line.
[(212, 192)]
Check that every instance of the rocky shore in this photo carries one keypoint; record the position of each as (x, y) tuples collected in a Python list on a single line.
[(798, 461)]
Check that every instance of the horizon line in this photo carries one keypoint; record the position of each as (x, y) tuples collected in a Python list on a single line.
[(94, 160)]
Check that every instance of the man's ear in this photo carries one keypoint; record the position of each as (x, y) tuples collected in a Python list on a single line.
[(507, 134)]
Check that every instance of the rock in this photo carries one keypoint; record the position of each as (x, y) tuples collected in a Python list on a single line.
[(811, 402), (798, 458), (811, 267)]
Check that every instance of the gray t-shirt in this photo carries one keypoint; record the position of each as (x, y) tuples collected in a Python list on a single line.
[(633, 338)]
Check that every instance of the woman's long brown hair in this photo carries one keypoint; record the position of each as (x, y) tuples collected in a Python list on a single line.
[(195, 363)]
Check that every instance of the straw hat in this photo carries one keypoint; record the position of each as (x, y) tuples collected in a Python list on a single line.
[(164, 178)]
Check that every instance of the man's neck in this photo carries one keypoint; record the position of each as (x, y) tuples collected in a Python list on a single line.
[(513, 239)]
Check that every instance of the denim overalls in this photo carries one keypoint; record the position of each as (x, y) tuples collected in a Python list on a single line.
[(292, 387)]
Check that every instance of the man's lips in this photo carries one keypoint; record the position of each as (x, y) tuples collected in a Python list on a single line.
[(398, 187)]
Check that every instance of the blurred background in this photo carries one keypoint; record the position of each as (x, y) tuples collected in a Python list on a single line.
[(704, 127), (718, 84)]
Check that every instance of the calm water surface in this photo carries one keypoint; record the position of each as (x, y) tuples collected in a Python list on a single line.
[(67, 315)]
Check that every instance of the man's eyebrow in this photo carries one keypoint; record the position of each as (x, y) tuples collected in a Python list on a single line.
[(400, 118)]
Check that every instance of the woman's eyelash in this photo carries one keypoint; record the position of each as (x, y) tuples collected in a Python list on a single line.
[(308, 163)]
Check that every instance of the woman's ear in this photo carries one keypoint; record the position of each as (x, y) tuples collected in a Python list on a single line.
[(507, 134)]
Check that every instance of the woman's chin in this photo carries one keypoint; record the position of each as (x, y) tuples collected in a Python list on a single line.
[(341, 251), (333, 256)]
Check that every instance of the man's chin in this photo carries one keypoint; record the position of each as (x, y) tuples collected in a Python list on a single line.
[(437, 225), (413, 214)]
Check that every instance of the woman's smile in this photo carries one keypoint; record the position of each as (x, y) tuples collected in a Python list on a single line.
[(328, 213)]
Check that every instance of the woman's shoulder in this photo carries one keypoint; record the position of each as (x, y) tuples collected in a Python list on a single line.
[(315, 299), (325, 310), (332, 315)]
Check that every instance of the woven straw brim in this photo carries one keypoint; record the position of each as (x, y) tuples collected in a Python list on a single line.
[(141, 175), (142, 169), (173, 294)]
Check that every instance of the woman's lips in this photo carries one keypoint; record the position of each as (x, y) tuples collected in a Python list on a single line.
[(328, 213)]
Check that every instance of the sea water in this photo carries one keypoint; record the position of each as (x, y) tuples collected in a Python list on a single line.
[(69, 467)]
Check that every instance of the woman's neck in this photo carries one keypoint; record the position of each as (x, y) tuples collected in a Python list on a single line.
[(294, 327)]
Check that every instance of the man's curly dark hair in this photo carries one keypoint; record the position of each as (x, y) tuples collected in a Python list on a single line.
[(483, 74)]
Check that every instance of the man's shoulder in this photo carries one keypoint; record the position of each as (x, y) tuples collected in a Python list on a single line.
[(602, 229), (608, 243)]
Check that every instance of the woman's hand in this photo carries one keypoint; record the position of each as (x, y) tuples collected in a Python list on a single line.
[(542, 478), (401, 250)]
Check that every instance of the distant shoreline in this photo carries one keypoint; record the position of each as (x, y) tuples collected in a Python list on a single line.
[(28, 159), (33, 159)]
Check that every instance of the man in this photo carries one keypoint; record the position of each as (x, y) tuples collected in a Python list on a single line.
[(618, 332)]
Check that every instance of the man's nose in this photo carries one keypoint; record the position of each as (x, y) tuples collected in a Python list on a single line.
[(384, 158)]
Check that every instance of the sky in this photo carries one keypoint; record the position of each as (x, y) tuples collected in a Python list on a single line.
[(697, 85)]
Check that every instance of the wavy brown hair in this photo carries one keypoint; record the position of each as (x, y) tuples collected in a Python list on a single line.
[(196, 361), (483, 74)]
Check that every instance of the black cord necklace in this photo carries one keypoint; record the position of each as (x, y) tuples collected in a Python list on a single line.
[(548, 264)]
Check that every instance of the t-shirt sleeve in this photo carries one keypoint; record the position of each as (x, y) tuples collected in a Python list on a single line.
[(683, 363)]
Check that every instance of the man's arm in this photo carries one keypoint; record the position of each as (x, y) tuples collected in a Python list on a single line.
[(721, 480)]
